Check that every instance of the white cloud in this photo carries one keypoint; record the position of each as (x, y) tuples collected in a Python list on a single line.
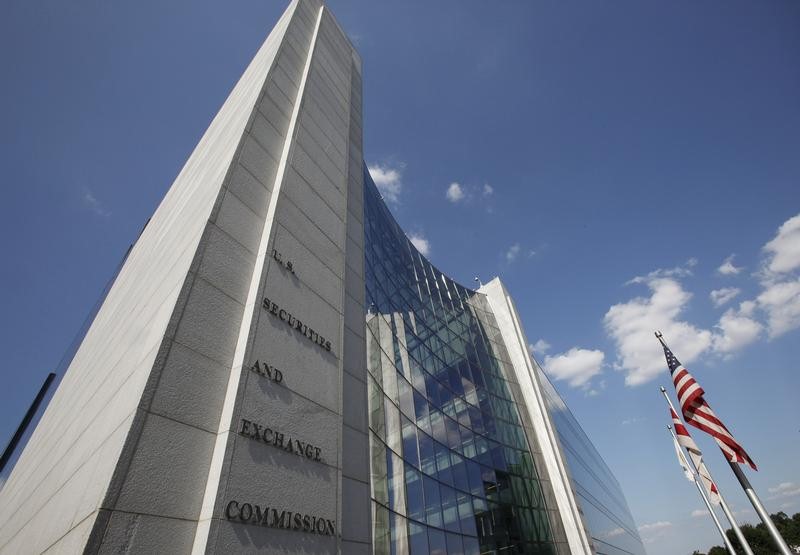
[(697, 513), (785, 247), (723, 296), (736, 329), (512, 252), (727, 268), (388, 180), (780, 298), (631, 325), (781, 301), (655, 526), (615, 532), (784, 489), (577, 366), (677, 271), (91, 202), (776, 309), (488, 190), (454, 192), (421, 243), (541, 346)]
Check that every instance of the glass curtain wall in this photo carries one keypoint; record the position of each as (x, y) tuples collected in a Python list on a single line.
[(599, 494), (452, 467)]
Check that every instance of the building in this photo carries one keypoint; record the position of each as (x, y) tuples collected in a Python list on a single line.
[(277, 370)]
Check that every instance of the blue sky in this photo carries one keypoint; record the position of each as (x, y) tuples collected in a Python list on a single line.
[(617, 163)]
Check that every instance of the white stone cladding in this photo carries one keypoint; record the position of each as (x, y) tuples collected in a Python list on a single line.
[(139, 450)]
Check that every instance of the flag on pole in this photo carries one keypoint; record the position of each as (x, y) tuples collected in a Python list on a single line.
[(687, 471), (697, 412), (685, 440)]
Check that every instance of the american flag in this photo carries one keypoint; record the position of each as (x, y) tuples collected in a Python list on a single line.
[(686, 441), (697, 412)]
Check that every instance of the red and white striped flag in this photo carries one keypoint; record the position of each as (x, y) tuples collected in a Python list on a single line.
[(697, 412), (686, 441), (687, 470)]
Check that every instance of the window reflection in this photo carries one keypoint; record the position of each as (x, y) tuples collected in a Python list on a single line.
[(450, 462)]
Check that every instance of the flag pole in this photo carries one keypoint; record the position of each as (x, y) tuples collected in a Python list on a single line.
[(760, 510), (734, 524), (725, 509), (748, 489), (711, 512)]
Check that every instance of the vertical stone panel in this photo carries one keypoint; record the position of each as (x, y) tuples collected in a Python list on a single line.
[(196, 415), (298, 444)]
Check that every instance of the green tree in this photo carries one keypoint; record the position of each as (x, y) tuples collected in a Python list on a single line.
[(759, 539)]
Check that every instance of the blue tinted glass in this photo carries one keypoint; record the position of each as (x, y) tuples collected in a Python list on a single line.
[(454, 545), (410, 453), (433, 502), (415, 501), (458, 428), (437, 541), (450, 509), (417, 539), (427, 454), (444, 473), (471, 546)]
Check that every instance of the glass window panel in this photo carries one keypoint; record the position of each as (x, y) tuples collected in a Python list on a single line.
[(379, 482), (454, 381), (453, 434), (454, 545), (410, 442), (471, 546), (534, 493), (444, 473), (437, 541), (504, 487), (498, 457), (399, 535), (417, 374), (518, 490), (415, 500), (484, 455), (445, 395), (513, 460), (474, 477), (465, 515), (483, 518), (389, 373), (462, 412), (381, 538), (376, 418), (406, 397), (450, 509), (468, 442), (427, 454), (394, 436), (417, 539), (460, 478), (437, 424), (433, 502), (396, 471), (489, 483), (421, 412), (529, 531)]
